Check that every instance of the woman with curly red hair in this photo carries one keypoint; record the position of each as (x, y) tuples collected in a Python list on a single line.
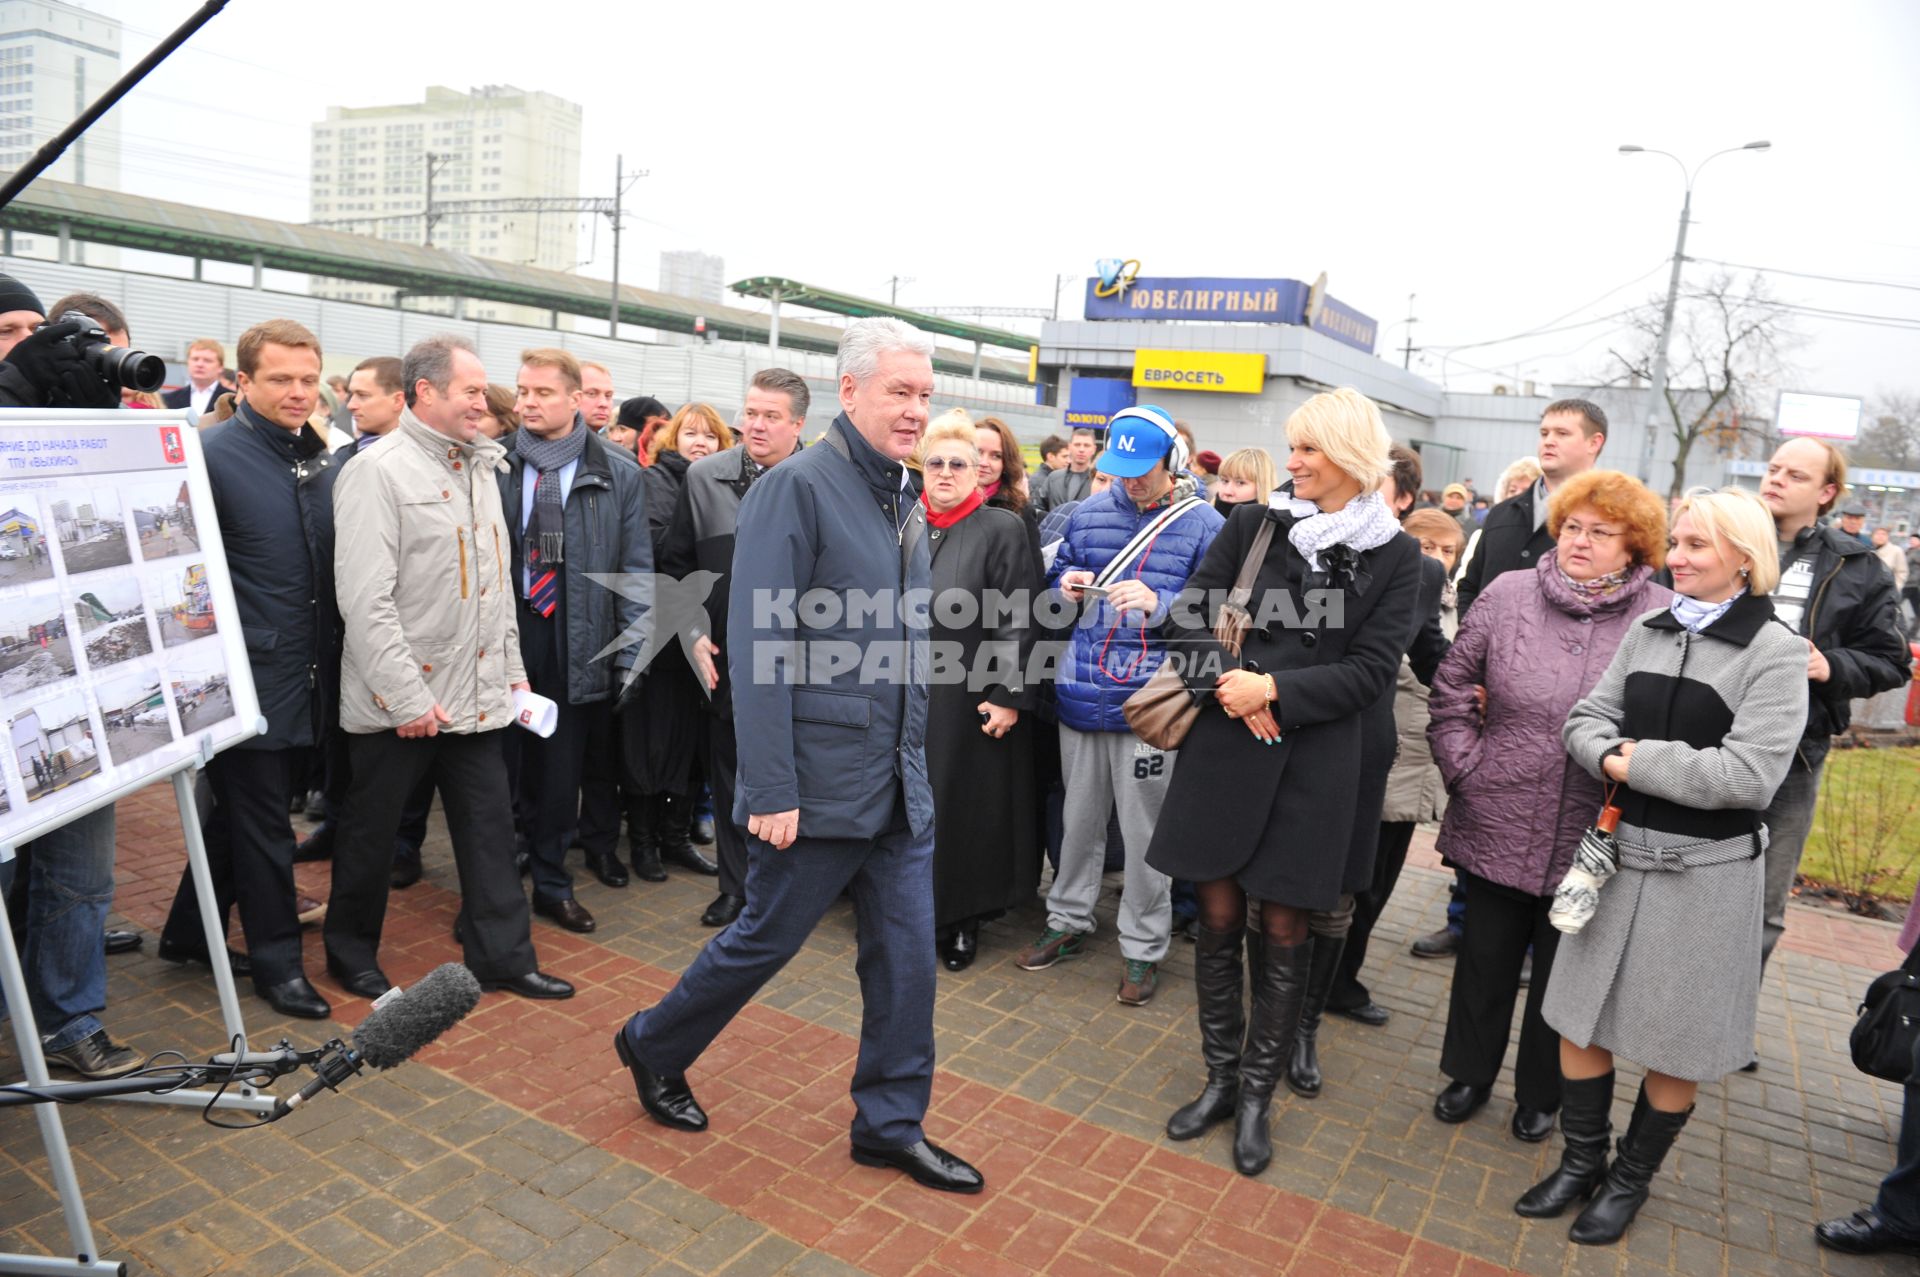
[(1533, 645)]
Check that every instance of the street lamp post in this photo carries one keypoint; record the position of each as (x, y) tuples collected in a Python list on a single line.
[(1657, 400)]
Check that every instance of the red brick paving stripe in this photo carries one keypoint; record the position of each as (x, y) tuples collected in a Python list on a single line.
[(1065, 1196)]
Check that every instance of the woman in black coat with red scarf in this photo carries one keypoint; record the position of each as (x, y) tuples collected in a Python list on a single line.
[(1262, 801)]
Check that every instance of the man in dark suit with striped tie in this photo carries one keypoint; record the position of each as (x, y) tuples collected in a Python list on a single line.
[(574, 509)]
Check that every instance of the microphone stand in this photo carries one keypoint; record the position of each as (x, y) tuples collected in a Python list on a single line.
[(253, 1068)]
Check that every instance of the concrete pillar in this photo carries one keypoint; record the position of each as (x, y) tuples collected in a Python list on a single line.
[(66, 243), (773, 326), (259, 272), (976, 361), (199, 268)]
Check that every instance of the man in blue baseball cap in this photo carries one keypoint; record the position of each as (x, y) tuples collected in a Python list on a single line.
[(1127, 553)]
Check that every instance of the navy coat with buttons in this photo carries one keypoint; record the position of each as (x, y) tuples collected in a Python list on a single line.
[(1280, 819), (842, 743), (273, 499)]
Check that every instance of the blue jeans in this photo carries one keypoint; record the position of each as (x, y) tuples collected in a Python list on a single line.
[(1899, 1202), (69, 890)]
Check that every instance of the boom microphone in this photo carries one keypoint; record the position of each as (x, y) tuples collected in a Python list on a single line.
[(403, 1021)]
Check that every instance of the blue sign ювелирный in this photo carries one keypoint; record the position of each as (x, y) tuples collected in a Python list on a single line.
[(1221, 300)]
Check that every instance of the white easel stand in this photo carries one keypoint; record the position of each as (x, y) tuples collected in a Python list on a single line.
[(26, 1035)]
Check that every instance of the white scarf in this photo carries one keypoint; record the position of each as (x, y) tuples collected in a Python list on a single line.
[(1364, 523), (1697, 616)]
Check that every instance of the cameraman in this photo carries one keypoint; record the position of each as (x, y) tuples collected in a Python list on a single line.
[(39, 367), (69, 872)]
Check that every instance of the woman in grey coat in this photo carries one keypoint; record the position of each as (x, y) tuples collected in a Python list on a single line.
[(1533, 645), (1694, 724)]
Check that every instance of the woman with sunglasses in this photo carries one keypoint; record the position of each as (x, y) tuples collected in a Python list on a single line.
[(986, 844)]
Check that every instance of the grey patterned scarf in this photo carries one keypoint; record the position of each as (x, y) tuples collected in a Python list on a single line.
[(546, 535), (1362, 524)]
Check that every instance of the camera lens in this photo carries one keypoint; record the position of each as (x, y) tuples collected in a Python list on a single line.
[(129, 369)]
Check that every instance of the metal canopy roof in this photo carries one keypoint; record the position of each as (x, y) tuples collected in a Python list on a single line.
[(765, 286), (109, 217)]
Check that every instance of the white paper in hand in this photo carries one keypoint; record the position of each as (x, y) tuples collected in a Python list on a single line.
[(535, 713)]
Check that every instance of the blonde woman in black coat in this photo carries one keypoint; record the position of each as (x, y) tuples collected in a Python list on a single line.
[(1261, 805)]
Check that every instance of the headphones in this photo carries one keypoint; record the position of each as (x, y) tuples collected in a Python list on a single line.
[(1177, 456)]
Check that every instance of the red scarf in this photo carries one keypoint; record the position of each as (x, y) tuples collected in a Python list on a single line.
[(954, 515), (990, 491)]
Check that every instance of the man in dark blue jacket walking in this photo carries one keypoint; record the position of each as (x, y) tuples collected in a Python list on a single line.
[(831, 704)]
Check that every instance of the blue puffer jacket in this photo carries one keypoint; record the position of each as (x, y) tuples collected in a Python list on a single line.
[(1111, 655)]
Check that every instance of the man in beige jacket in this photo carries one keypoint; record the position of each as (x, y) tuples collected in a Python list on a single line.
[(432, 660)]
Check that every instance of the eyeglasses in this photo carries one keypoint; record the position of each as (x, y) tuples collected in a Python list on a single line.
[(1571, 531), (955, 464)]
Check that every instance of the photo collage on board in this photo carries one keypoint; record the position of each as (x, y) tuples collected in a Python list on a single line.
[(108, 647)]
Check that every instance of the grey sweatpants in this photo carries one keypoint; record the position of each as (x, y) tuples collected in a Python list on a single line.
[(1101, 771)]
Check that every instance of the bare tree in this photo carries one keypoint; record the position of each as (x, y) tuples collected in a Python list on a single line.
[(1724, 364), (1891, 436)]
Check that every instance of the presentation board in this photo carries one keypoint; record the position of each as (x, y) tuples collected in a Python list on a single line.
[(121, 656)]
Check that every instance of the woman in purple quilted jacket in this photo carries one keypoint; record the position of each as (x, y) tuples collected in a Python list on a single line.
[(1533, 645)]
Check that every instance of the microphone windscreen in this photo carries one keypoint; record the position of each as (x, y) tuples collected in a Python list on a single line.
[(436, 1002)]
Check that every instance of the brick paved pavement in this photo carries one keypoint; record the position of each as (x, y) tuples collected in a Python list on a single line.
[(515, 1144)]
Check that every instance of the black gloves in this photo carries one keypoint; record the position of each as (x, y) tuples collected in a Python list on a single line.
[(57, 371)]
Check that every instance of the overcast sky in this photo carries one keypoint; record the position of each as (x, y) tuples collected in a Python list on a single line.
[(1466, 153)]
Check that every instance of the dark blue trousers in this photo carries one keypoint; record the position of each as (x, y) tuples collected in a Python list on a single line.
[(891, 880)]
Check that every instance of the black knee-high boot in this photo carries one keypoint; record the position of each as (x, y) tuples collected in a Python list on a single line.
[(1223, 1026), (1586, 1106), (1279, 988), (1303, 1070), (1650, 1136)]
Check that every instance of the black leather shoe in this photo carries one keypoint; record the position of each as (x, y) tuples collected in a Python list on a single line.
[(1532, 1126), (688, 856), (671, 823), (534, 984), (296, 998), (406, 871), (703, 830), (317, 845), (316, 805), (961, 948), (1443, 943), (1460, 1101), (666, 1098), (646, 863), (121, 941), (1371, 1014), (1864, 1233), (96, 1056), (927, 1163), (177, 954), (722, 911), (607, 868), (570, 914), (370, 983)]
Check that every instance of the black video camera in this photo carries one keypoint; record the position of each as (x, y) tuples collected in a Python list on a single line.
[(119, 365)]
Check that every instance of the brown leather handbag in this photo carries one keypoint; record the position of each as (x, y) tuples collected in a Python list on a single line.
[(1163, 711)]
